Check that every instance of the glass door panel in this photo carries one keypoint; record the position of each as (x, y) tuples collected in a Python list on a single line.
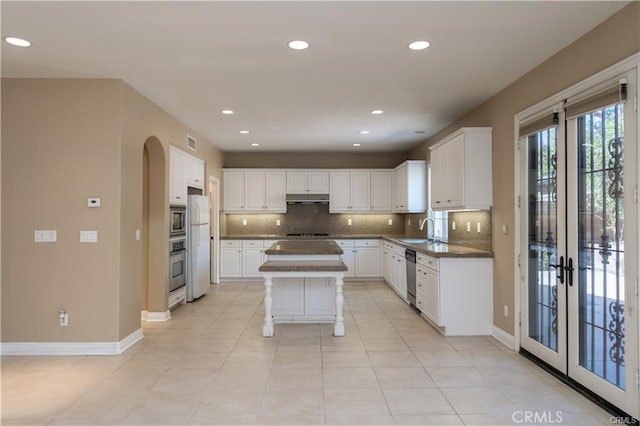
[(601, 272), (543, 323)]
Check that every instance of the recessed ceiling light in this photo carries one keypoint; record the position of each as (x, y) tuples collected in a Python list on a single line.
[(15, 41), (364, 132), (298, 44), (244, 132), (227, 111), (356, 144), (419, 45), (376, 111), (255, 144), (418, 132)]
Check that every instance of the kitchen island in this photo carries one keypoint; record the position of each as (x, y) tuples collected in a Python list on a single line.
[(303, 282)]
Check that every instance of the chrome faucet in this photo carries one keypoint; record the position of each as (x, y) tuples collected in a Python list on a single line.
[(421, 223)]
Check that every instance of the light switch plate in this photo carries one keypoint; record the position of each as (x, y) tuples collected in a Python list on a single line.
[(94, 202), (88, 236), (45, 236)]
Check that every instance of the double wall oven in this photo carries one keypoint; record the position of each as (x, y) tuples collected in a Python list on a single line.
[(177, 247)]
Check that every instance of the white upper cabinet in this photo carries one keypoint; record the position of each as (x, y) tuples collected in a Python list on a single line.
[(360, 191), (381, 181), (184, 170), (233, 185), (254, 191), (307, 182), (410, 187), (461, 171)]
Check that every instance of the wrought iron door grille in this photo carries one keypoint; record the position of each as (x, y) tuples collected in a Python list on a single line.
[(601, 243)]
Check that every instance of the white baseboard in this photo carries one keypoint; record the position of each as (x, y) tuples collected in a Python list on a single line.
[(156, 316), (71, 348), (503, 337)]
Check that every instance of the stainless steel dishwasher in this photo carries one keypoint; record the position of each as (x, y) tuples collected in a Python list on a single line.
[(410, 257)]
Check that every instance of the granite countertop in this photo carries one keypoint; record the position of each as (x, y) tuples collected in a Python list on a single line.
[(434, 250), (304, 247), (306, 266)]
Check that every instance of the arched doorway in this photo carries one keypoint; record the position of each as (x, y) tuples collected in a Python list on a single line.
[(154, 232)]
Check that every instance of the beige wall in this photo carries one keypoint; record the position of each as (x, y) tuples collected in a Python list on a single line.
[(333, 160), (63, 141), (613, 40)]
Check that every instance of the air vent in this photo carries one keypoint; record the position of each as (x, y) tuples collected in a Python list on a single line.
[(191, 142)]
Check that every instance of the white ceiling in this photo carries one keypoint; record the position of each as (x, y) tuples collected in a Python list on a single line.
[(195, 58)]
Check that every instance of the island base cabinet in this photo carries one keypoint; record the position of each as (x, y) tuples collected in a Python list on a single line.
[(459, 298), (303, 300), (288, 297)]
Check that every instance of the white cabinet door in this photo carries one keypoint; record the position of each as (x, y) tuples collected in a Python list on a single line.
[(194, 171), (231, 262), (319, 296), (233, 183), (318, 181), (297, 182), (381, 194), (432, 296), (348, 257), (288, 296), (461, 170), (308, 182), (386, 264), (252, 258), (360, 191), (339, 197), (400, 189), (367, 262), (275, 191), (439, 178), (254, 191), (455, 177), (177, 182)]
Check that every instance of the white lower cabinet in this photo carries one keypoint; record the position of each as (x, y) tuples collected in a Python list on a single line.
[(362, 257), (319, 296), (395, 268), (288, 297), (456, 294), (252, 258), (231, 258), (313, 298)]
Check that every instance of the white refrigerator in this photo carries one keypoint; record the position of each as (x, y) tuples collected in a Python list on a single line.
[(198, 249)]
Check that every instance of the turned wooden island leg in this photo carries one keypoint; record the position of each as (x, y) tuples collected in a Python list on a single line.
[(267, 329), (339, 327)]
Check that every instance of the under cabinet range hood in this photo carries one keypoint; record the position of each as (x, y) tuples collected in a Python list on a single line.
[(307, 198)]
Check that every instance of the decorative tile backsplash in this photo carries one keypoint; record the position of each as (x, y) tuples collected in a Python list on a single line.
[(471, 238), (313, 218)]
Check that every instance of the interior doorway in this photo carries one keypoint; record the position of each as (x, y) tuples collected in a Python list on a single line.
[(214, 206), (155, 251)]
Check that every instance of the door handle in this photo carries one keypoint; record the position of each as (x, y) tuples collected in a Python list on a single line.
[(569, 268), (561, 268)]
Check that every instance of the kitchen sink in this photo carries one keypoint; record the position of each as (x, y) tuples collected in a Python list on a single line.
[(414, 241)]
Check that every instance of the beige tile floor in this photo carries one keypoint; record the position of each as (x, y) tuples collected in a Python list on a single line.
[(210, 365)]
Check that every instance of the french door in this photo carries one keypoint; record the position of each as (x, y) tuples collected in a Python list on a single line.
[(579, 233)]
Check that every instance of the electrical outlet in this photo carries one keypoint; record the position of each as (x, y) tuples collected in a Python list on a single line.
[(390, 222), (349, 222), (277, 222), (478, 227), (138, 234), (453, 225), (506, 310), (88, 236), (244, 222), (468, 226), (63, 318), (505, 229)]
